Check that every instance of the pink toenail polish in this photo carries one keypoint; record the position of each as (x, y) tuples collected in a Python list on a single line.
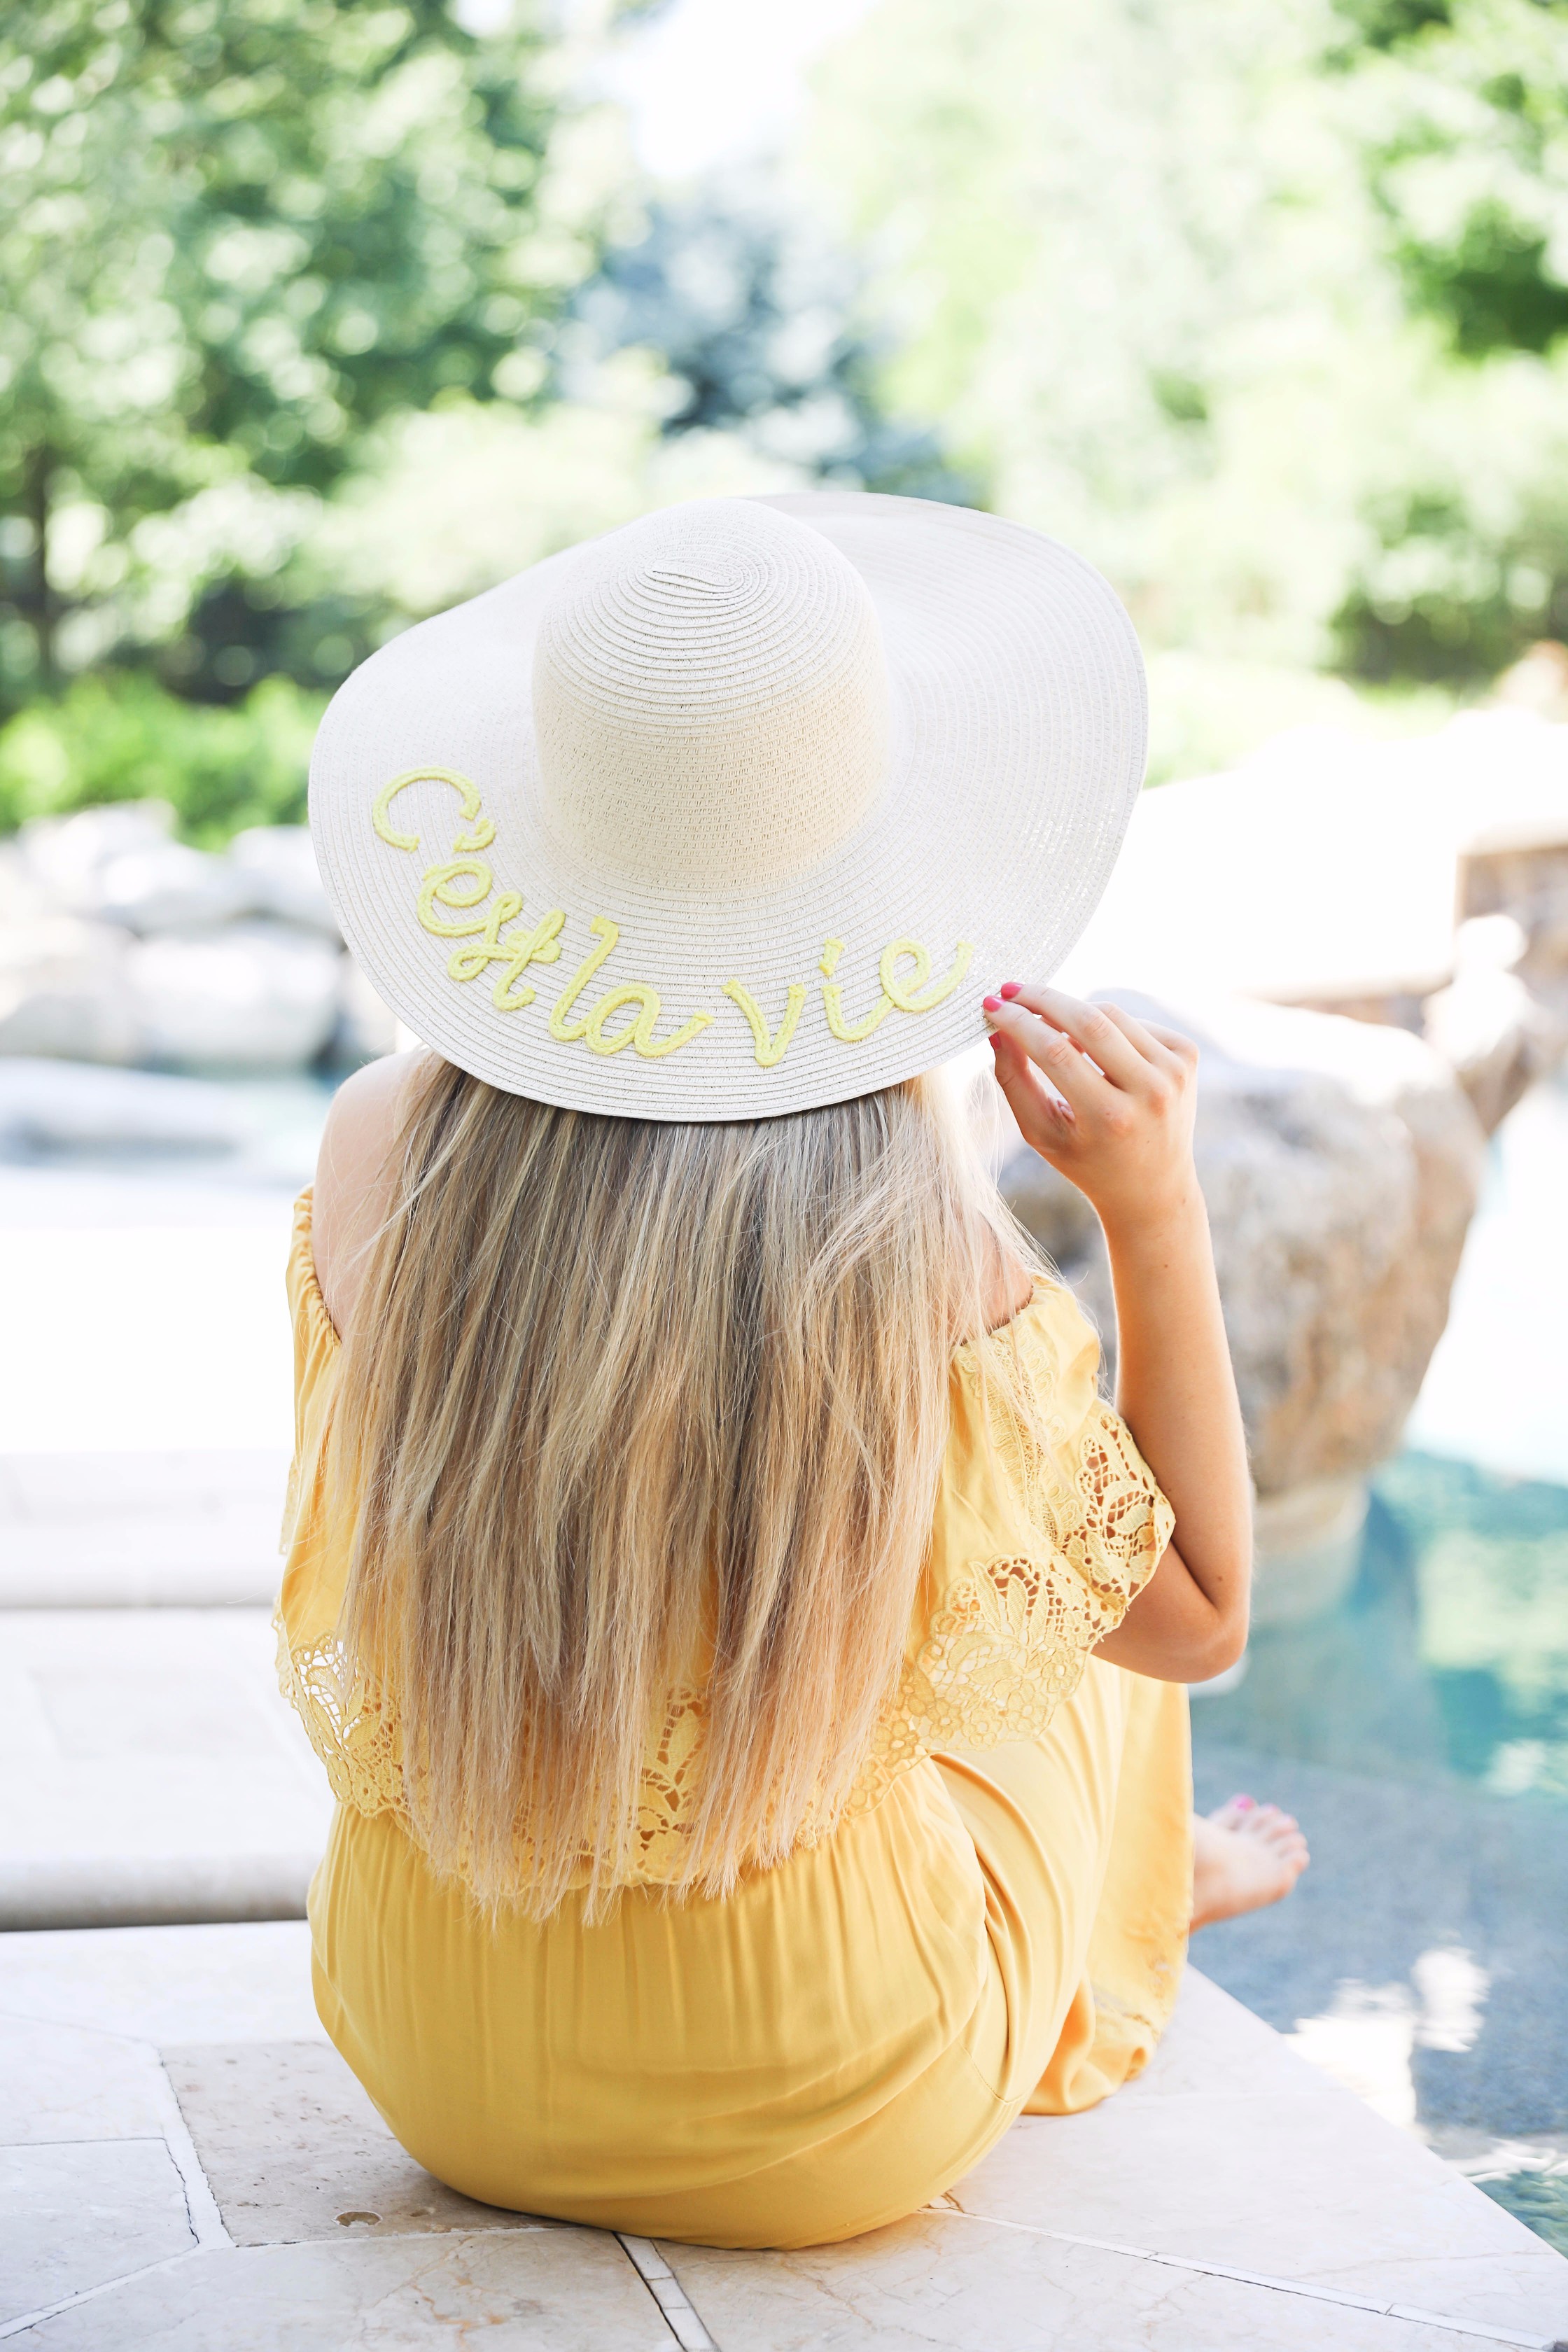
[(1244, 1804)]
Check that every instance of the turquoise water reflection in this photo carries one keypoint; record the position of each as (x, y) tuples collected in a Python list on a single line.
[(1490, 1561), (1448, 1653)]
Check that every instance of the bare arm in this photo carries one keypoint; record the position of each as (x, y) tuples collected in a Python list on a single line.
[(356, 1169), (1122, 1134)]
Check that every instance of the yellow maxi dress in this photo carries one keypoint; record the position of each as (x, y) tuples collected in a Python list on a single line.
[(996, 1924)]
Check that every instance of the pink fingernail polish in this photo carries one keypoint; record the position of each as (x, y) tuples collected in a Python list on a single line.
[(1244, 1804), (1011, 987), (992, 1004)]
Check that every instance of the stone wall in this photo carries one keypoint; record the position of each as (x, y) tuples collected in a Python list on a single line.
[(120, 944)]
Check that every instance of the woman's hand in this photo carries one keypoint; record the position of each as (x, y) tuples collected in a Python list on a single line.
[(1120, 1122), (1122, 1132)]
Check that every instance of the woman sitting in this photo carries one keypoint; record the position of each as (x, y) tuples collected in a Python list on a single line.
[(746, 1648)]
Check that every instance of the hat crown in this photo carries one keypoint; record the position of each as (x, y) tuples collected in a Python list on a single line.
[(709, 698)]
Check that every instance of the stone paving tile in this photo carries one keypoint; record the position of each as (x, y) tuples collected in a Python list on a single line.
[(940, 2282), (75, 2214), (153, 1770), (69, 2083), (292, 2148), (181, 1290), (73, 1489), (1247, 2158), (540, 2291), (1231, 2155), (158, 1529), (248, 1982)]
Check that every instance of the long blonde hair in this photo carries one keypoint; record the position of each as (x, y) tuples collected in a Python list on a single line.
[(626, 1404)]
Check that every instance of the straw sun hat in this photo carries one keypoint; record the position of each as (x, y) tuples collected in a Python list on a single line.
[(738, 809)]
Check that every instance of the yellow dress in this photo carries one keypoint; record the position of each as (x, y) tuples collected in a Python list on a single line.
[(996, 1924)]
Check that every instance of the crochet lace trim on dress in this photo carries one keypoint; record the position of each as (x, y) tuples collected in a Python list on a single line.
[(1002, 1647)]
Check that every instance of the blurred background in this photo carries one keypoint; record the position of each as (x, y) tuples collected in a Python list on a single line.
[(313, 321)]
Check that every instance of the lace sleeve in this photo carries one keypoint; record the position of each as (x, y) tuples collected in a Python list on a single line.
[(1043, 1536)]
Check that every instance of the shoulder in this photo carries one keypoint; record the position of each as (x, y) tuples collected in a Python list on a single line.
[(356, 1171), (1010, 1288)]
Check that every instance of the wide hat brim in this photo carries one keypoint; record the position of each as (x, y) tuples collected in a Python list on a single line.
[(1018, 735)]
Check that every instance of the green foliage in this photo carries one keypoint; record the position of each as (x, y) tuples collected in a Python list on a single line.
[(1385, 23), (1467, 144), (121, 737), (1489, 284), (237, 232), (1259, 307), (756, 315)]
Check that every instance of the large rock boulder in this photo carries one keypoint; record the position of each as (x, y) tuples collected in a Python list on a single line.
[(1523, 872), (1340, 1164), (118, 943), (169, 887), (46, 1106), (280, 877), (1326, 872), (62, 989), (366, 1028), (250, 996), (65, 857), (1493, 1032)]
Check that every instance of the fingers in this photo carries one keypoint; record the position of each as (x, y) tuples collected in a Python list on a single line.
[(1128, 1050), (1090, 1027), (1166, 1049), (1121, 1046), (1171, 1040), (1044, 1121), (1052, 1047)]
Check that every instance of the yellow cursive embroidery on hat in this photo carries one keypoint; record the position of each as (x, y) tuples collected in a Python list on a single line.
[(467, 793), (769, 1049), (541, 945), (441, 885), (563, 1029), (912, 995), (638, 1032), (467, 963), (853, 1033)]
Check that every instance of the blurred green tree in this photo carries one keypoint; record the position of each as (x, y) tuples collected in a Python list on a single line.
[(1466, 108), (758, 317), (1264, 308), (236, 233), (1459, 111)]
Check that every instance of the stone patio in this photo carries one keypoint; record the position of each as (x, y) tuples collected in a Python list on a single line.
[(156, 1529), (153, 1770), (189, 2163)]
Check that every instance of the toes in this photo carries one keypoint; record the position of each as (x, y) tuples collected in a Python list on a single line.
[(1269, 1822)]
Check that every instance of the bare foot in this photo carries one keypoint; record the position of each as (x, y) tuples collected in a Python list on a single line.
[(1245, 1856)]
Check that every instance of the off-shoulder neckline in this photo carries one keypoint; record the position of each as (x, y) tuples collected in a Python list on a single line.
[(1044, 1291), (310, 1280)]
